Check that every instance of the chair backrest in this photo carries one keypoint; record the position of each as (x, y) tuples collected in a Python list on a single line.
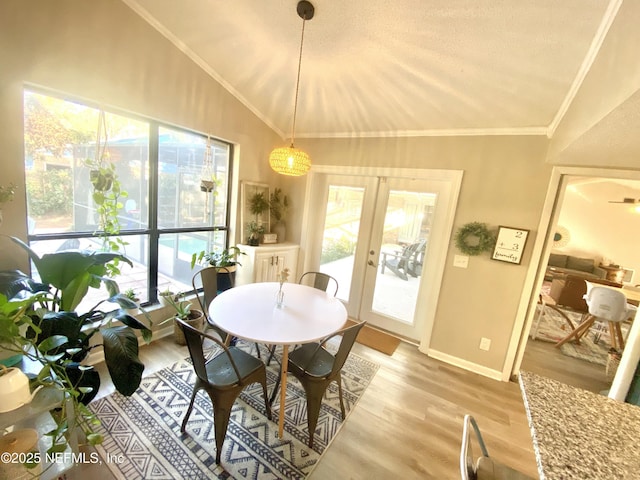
[(195, 339), (207, 280), (321, 281), (467, 461), (569, 292), (607, 303), (349, 335)]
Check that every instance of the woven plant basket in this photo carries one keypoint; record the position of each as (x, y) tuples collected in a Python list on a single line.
[(196, 320)]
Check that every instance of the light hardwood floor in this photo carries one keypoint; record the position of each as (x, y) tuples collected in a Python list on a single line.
[(408, 423)]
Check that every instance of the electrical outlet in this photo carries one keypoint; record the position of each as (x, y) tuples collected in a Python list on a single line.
[(485, 344), (460, 261)]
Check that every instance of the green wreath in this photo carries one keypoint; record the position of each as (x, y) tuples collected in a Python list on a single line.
[(474, 238)]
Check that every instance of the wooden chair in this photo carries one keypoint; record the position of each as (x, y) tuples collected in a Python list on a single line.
[(485, 467), (407, 262), (607, 305), (315, 367), (565, 295), (223, 377)]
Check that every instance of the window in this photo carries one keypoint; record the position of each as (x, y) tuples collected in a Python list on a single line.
[(165, 215)]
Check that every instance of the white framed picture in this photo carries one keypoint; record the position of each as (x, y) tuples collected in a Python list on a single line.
[(255, 207), (510, 244)]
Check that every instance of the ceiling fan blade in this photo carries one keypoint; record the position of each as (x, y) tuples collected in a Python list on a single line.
[(626, 200)]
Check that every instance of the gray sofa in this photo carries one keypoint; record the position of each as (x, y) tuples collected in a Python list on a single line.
[(561, 265)]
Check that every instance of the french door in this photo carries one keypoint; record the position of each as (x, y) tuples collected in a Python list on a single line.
[(382, 239)]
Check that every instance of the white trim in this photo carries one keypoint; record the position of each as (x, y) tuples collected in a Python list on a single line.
[(465, 364), (541, 249), (607, 20)]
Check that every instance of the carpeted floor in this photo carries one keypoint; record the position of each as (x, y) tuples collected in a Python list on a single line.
[(143, 439)]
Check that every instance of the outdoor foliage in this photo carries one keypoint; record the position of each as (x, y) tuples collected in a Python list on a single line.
[(49, 192), (336, 249)]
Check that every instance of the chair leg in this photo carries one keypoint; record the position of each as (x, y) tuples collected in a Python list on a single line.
[(314, 402), (221, 414), (186, 417), (339, 381), (274, 393), (579, 331)]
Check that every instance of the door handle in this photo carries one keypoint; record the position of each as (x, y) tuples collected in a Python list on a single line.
[(370, 263)]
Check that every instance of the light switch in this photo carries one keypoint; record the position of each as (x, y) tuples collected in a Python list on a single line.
[(461, 261)]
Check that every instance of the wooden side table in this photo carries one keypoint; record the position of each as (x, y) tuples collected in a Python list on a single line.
[(614, 273)]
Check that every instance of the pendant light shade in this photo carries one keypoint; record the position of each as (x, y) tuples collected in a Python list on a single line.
[(290, 160)]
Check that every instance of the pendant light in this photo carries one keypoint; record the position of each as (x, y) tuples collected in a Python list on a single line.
[(290, 160)]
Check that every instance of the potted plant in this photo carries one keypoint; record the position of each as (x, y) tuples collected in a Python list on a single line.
[(184, 312), (278, 207), (258, 204), (43, 322), (225, 261), (255, 231), (131, 294), (166, 296)]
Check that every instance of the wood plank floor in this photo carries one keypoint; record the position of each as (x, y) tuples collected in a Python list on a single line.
[(408, 423)]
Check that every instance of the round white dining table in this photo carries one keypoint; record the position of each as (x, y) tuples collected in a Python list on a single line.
[(251, 312)]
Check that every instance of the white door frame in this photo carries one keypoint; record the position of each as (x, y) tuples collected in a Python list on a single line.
[(440, 244), (541, 250)]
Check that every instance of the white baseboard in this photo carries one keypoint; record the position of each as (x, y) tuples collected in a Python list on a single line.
[(466, 365)]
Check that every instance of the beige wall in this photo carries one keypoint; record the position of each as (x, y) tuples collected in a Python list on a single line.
[(100, 50), (505, 181)]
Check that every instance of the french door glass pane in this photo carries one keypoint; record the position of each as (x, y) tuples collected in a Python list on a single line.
[(341, 226), (407, 222)]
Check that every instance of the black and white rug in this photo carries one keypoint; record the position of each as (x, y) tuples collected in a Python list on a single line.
[(142, 438)]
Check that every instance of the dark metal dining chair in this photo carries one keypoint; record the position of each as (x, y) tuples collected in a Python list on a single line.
[(223, 377), (485, 467), (315, 367), (206, 280), (321, 281)]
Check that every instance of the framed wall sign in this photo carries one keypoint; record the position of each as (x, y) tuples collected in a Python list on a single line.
[(510, 244)]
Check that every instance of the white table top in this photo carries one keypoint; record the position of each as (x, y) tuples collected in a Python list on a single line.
[(250, 312)]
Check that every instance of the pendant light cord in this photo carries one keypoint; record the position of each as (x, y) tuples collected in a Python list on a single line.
[(295, 102)]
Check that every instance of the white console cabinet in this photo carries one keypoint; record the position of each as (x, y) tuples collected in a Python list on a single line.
[(265, 262)]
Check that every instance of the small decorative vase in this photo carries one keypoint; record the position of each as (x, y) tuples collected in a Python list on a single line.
[(279, 298)]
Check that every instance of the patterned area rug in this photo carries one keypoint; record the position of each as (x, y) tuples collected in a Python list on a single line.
[(594, 346), (142, 432)]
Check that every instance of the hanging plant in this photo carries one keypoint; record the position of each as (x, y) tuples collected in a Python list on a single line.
[(474, 238), (107, 196)]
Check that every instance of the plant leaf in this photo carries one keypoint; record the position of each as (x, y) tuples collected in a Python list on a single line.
[(121, 357)]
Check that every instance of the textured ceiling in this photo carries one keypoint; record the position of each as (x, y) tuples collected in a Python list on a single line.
[(395, 67)]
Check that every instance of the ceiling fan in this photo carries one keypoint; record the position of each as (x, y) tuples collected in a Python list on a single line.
[(627, 200)]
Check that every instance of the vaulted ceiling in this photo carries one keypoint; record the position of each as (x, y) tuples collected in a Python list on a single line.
[(393, 67)]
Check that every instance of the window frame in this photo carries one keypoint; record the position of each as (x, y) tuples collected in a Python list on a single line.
[(152, 232)]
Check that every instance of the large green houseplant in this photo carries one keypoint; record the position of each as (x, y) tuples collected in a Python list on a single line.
[(43, 322)]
